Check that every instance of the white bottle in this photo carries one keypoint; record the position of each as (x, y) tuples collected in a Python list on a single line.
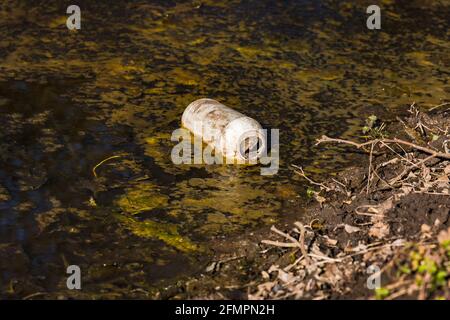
[(234, 135)]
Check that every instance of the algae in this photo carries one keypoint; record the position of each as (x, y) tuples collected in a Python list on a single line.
[(165, 232), (142, 197)]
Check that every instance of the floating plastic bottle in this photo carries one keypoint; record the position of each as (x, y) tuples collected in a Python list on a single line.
[(233, 134)]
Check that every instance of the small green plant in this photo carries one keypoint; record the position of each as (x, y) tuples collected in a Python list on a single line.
[(446, 246), (441, 278), (427, 266), (374, 129), (424, 269), (405, 269), (310, 192), (381, 293)]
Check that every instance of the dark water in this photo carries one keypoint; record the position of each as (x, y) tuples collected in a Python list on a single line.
[(116, 90)]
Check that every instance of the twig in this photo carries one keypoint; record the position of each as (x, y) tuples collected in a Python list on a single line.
[(432, 193), (367, 213), (302, 173), (281, 233), (408, 169), (34, 295), (102, 162), (397, 294), (439, 105), (398, 154), (325, 138), (381, 179), (436, 154), (340, 183), (369, 177), (280, 244), (294, 242), (373, 248), (324, 257), (302, 240)]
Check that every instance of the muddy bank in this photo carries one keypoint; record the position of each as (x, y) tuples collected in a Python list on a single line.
[(391, 220)]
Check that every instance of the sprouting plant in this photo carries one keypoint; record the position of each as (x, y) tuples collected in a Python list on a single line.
[(427, 266), (405, 269), (434, 137), (422, 269), (374, 129), (310, 192), (441, 278), (381, 293)]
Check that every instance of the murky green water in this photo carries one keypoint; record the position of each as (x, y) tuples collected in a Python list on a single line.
[(117, 88)]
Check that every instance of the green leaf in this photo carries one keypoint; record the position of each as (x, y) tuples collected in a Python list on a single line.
[(381, 293), (441, 278), (310, 192)]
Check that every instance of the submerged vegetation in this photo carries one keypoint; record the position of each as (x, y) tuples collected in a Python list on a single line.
[(143, 197), (165, 232)]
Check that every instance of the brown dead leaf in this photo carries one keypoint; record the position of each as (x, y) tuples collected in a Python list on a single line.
[(351, 229), (424, 228), (425, 231), (329, 241), (444, 236), (447, 169), (426, 174), (379, 230), (319, 198)]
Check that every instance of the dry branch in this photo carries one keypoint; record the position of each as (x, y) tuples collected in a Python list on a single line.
[(434, 153)]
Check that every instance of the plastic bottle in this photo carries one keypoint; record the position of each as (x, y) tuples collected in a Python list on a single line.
[(234, 135)]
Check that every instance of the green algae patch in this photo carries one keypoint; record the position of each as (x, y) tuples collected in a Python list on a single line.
[(228, 206), (146, 196), (254, 52), (142, 197), (185, 77), (165, 232), (420, 58)]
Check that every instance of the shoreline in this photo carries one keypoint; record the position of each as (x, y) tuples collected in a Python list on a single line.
[(359, 227)]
